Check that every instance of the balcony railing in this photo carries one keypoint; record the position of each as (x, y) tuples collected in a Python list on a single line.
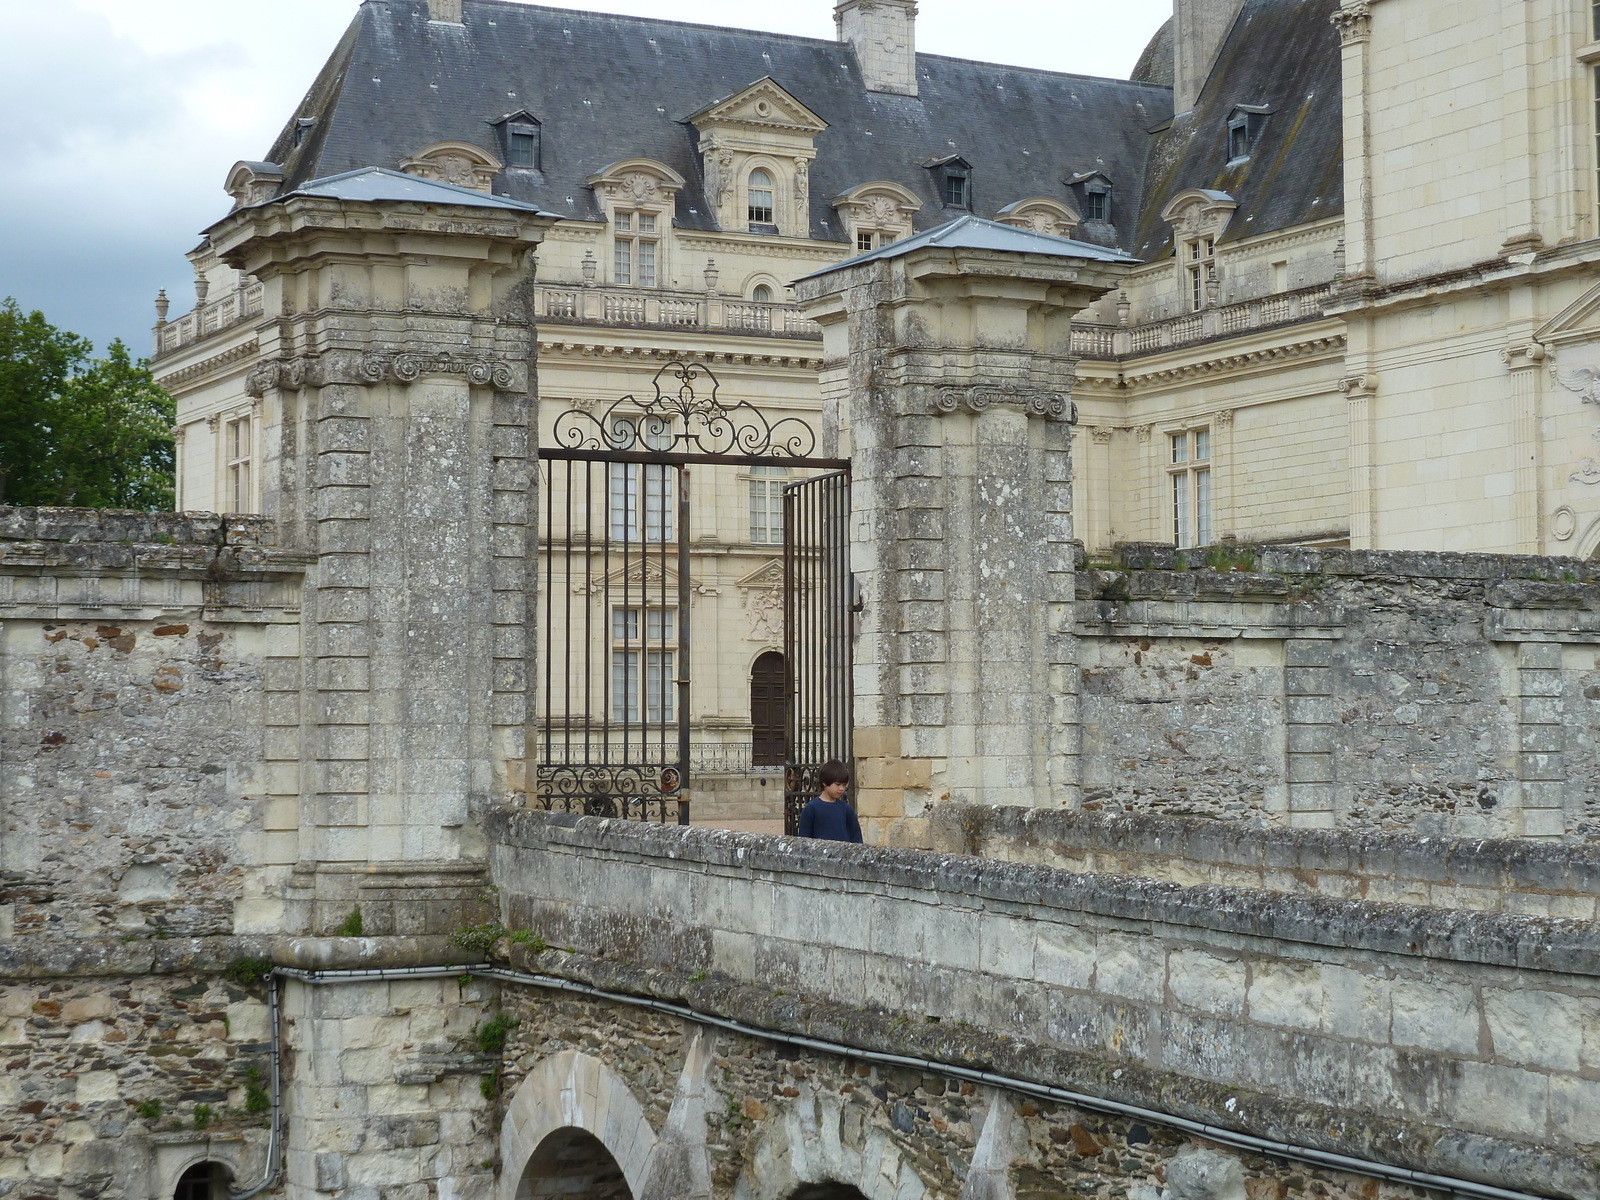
[(1111, 341), (209, 319), (678, 310)]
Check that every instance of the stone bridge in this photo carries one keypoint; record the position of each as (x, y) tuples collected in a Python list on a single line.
[(755, 1017)]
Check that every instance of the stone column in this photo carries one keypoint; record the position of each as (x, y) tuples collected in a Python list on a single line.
[(958, 417), (398, 355)]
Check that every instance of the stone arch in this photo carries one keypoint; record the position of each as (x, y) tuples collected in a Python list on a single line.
[(460, 164), (572, 1165), (1588, 547), (804, 1154), (572, 1092), (206, 1179)]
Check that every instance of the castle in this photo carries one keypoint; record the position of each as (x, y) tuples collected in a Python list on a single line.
[(1175, 495)]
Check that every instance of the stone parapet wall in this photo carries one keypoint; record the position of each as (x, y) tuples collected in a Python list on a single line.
[(1363, 1028), (148, 722), (1431, 693), (1512, 875)]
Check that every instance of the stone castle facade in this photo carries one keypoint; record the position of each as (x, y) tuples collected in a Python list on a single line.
[(1234, 823)]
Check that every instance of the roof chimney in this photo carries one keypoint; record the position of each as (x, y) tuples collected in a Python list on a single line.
[(883, 33), (446, 12), (1198, 29)]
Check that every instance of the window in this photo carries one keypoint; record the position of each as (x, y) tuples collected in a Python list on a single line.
[(521, 140), (651, 700), (957, 188), (239, 439), (1244, 127), (1199, 262), (1596, 72), (634, 253), (761, 294), (761, 203), (766, 504), (1280, 277), (1093, 193), (1190, 475), (204, 1181), (642, 500), (864, 241)]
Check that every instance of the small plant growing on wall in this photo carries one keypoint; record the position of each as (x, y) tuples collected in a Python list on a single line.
[(256, 1097), (202, 1116), (479, 938), (150, 1110), (351, 925), (492, 1033)]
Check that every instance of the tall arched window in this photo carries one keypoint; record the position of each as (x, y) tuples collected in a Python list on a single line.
[(761, 205)]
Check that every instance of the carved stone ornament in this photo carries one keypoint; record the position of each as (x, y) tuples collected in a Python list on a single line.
[(1585, 381), (1223, 418), (1101, 435), (1563, 524), (1053, 406), (1354, 24), (1363, 385), (640, 187), (763, 610), (367, 369)]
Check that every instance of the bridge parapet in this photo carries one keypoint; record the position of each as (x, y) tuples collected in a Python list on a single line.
[(1461, 1043)]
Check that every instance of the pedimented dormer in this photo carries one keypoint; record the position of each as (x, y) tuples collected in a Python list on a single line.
[(757, 146), (460, 164), (877, 213), (1199, 211), (1041, 215)]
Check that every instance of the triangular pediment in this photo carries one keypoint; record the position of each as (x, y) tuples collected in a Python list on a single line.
[(768, 575), (1579, 320), (644, 582), (764, 103)]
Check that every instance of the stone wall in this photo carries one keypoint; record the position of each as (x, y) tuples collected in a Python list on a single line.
[(1509, 875), (769, 1118), (141, 785), (1437, 694), (1446, 1041), (126, 1062)]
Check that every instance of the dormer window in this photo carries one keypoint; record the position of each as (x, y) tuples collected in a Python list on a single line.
[(521, 140), (1093, 193), (953, 179), (761, 202), (1244, 128)]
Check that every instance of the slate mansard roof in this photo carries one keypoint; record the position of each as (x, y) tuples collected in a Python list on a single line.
[(607, 88)]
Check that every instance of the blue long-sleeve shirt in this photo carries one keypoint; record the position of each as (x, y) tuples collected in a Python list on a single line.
[(831, 820)]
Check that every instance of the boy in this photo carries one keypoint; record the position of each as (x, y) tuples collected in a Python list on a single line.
[(830, 816)]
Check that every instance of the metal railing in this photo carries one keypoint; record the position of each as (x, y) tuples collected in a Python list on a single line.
[(209, 319)]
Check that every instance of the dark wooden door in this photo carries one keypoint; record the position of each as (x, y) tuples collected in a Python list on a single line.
[(767, 711)]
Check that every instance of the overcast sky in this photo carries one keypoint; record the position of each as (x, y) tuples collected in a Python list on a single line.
[(123, 117)]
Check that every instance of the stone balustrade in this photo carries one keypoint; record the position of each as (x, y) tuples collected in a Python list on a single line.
[(208, 319), (574, 304), (1108, 342)]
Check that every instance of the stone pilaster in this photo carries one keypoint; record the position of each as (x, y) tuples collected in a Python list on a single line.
[(1541, 739), (958, 416), (399, 356)]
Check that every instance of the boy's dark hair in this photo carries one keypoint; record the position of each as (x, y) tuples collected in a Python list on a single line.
[(833, 771)]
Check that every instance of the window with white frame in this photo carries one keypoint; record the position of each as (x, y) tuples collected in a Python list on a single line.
[(1199, 260), (1189, 474), (644, 659), (766, 503), (636, 244), (239, 442), (641, 501), (761, 201)]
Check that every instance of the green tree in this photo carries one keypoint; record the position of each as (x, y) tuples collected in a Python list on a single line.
[(75, 429)]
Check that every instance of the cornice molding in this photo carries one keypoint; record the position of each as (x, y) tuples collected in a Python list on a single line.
[(237, 354), (368, 369), (1227, 364), (590, 349)]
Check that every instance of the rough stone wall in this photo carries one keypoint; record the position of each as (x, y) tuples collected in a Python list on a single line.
[(126, 1062), (776, 1116), (1513, 875), (1390, 1025), (135, 795), (1437, 694)]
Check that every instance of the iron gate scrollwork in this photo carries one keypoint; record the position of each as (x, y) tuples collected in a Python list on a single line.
[(818, 623), (615, 611)]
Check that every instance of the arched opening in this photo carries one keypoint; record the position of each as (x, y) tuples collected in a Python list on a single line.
[(761, 206), (828, 1191), (761, 294), (767, 710), (574, 1165), (204, 1181)]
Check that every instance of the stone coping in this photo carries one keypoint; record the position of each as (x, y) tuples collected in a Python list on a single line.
[(1247, 558), (136, 528), (1491, 938), (46, 957), (1502, 864)]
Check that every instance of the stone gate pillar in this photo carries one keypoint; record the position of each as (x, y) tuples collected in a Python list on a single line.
[(395, 375), (949, 358)]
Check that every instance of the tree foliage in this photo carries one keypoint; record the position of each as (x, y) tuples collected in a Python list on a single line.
[(75, 429)]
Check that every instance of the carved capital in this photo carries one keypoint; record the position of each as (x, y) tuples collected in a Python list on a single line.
[(1529, 355), (1222, 418), (1359, 385), (1101, 435), (1052, 406), (1354, 23)]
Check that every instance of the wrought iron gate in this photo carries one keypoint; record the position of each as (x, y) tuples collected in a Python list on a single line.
[(818, 618), (615, 612)]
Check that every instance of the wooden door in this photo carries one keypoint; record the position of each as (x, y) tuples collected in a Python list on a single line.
[(767, 711)]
